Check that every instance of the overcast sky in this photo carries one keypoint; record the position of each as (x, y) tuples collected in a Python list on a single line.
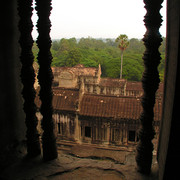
[(98, 19)]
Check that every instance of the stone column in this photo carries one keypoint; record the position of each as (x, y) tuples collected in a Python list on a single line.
[(150, 82), (108, 134), (45, 77), (77, 129), (28, 76)]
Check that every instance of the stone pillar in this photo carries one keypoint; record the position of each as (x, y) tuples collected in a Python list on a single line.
[(150, 82), (120, 129), (28, 77), (124, 133), (108, 134), (77, 134), (45, 77)]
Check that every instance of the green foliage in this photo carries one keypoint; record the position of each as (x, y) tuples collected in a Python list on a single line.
[(73, 57), (92, 52), (133, 68), (122, 41)]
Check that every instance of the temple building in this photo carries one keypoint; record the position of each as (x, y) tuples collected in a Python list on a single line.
[(91, 109)]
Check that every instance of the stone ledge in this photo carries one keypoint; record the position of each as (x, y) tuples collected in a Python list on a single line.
[(76, 167)]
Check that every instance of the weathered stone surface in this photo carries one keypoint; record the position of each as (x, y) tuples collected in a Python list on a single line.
[(98, 166), (90, 174), (94, 153)]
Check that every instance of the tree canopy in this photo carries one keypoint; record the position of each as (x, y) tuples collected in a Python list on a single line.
[(91, 52), (123, 43)]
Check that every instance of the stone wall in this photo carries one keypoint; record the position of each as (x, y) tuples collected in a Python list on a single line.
[(65, 126), (93, 83), (169, 148), (95, 130), (68, 80), (12, 128)]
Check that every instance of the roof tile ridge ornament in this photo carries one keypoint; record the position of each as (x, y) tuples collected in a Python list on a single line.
[(150, 82), (28, 77), (45, 77)]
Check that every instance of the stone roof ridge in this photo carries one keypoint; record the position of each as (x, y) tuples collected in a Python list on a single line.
[(79, 70), (64, 88), (114, 79), (79, 66), (113, 96)]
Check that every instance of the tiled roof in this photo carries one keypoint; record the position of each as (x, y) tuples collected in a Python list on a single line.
[(110, 82), (63, 99), (158, 109), (100, 105), (78, 70), (134, 86), (161, 87), (110, 106), (137, 86), (114, 107)]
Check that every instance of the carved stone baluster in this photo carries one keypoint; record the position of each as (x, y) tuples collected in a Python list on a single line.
[(45, 77), (28, 76), (150, 82)]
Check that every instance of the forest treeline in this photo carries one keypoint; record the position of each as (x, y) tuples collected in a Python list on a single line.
[(91, 52)]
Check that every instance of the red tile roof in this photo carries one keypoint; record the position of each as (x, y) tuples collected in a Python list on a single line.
[(110, 82), (134, 86), (63, 99), (100, 105), (115, 107), (161, 88), (137, 86), (110, 106), (158, 109)]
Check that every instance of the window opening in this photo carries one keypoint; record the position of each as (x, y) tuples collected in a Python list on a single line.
[(87, 131), (116, 132), (132, 136), (59, 128)]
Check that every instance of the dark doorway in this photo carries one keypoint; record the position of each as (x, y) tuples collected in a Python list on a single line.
[(87, 131), (59, 128), (132, 135)]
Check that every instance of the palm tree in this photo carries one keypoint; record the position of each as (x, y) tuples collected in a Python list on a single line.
[(123, 43)]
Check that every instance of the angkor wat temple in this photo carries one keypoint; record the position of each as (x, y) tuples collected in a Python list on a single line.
[(91, 109)]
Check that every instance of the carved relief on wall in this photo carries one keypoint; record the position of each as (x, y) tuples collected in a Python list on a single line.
[(67, 80), (66, 75)]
